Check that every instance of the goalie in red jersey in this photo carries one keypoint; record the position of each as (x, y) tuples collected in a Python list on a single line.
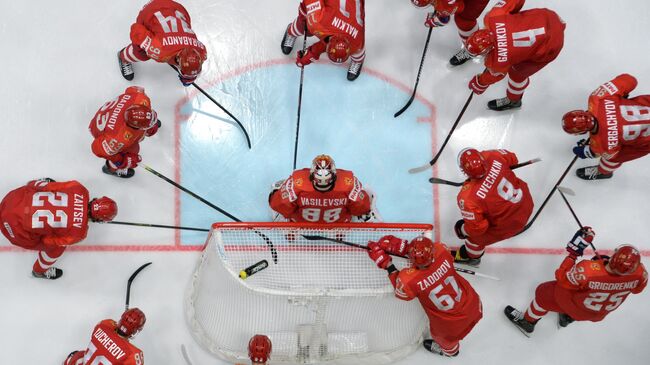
[(118, 128), (340, 28), (163, 32), (259, 349), (586, 290), (48, 216), (322, 194), (618, 127), (109, 343), (450, 302), (494, 203), (515, 43), (465, 13)]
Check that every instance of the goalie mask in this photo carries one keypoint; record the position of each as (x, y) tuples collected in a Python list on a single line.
[(323, 173), (259, 349)]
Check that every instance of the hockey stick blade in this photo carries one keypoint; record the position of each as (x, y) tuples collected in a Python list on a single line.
[(185, 355), (130, 281), (415, 170), (435, 180), (417, 79), (566, 191), (472, 272)]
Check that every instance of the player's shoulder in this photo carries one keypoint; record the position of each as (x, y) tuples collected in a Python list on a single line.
[(407, 275), (300, 180), (137, 96), (592, 268)]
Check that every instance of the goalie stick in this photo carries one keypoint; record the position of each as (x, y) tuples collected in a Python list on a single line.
[(417, 79), (130, 281), (435, 180), (248, 140), (323, 238), (562, 190), (444, 144), (267, 240)]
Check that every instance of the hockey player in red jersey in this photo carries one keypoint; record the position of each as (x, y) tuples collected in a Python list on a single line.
[(259, 349), (618, 127), (340, 28), (48, 216), (515, 43), (465, 13), (322, 194), (119, 126), (587, 290), (163, 32), (109, 343), (450, 302), (494, 203)]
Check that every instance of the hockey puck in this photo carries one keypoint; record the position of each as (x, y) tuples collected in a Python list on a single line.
[(251, 270)]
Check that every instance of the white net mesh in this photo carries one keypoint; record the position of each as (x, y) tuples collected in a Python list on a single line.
[(323, 302)]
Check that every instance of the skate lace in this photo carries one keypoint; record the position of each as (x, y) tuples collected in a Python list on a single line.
[(592, 172), (121, 172), (50, 273), (127, 67), (517, 315), (462, 54), (355, 67), (502, 102), (289, 40)]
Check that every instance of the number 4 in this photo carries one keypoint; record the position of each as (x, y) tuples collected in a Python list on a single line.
[(526, 38)]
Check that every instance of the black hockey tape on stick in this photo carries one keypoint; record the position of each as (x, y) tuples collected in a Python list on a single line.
[(417, 79), (253, 269), (435, 180), (267, 240), (322, 238), (248, 140), (130, 281)]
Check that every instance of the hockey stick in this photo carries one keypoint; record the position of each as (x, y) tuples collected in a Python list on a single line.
[(435, 158), (322, 238), (302, 77), (267, 240), (128, 284), (248, 140), (185, 355), (548, 197), (562, 190), (159, 226), (435, 180), (417, 79)]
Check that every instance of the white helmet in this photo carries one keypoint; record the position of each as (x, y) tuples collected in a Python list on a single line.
[(323, 172)]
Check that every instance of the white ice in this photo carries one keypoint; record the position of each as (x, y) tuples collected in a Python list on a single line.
[(59, 66)]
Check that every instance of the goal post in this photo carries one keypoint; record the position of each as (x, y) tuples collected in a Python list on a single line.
[(322, 302)]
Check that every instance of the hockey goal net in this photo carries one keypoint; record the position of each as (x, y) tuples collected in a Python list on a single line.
[(319, 302)]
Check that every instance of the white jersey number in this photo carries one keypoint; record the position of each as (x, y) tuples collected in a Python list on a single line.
[(595, 300), (314, 214), (635, 114), (527, 38), (102, 118), (508, 192), (445, 302), (170, 24), (55, 199), (96, 360)]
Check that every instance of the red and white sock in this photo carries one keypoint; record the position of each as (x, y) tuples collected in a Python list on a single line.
[(45, 261), (474, 251), (534, 312), (464, 34), (516, 89), (607, 167), (360, 56)]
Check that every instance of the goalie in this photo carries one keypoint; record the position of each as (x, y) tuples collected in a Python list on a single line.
[(322, 194)]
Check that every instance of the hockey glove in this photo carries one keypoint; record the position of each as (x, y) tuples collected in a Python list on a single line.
[(582, 149), (153, 130), (476, 86), (307, 58), (458, 228), (129, 161), (580, 241), (393, 245), (435, 20), (379, 256)]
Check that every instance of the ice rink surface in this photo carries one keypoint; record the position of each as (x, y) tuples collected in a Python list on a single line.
[(60, 67)]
